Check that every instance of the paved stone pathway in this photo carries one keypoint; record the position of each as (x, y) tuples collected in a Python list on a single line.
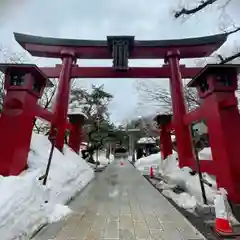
[(121, 204)]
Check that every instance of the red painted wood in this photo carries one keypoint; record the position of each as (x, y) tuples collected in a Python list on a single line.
[(182, 132), (60, 109), (108, 72), (137, 52)]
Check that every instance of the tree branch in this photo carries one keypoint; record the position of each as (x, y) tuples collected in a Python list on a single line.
[(202, 5), (237, 29), (228, 59)]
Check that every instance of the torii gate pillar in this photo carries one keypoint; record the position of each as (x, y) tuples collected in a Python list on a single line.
[(183, 135), (62, 99)]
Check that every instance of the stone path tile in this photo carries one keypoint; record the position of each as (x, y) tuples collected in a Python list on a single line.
[(121, 204)]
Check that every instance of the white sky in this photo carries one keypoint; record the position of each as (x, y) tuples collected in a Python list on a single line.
[(95, 19)]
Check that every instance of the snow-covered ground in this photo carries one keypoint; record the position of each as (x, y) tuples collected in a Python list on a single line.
[(26, 204), (205, 154), (174, 176), (103, 160)]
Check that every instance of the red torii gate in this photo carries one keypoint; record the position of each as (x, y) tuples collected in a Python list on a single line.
[(120, 49)]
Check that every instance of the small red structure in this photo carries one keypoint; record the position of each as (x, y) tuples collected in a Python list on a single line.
[(75, 136), (164, 123), (216, 86), (151, 173), (24, 85)]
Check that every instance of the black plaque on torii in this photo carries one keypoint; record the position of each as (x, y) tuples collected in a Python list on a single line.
[(121, 47)]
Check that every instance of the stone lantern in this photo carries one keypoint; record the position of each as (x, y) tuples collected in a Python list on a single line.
[(24, 85)]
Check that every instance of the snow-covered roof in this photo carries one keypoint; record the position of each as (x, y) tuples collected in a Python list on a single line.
[(173, 137), (77, 110), (147, 140)]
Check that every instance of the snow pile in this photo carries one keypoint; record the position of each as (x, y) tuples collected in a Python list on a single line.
[(103, 160), (154, 160), (173, 138), (60, 211), (144, 164), (22, 205), (193, 187), (210, 179), (183, 200), (130, 157), (205, 154), (26, 204), (169, 170), (76, 111)]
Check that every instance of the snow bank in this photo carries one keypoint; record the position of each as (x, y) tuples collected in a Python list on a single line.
[(173, 175), (183, 200), (205, 154), (59, 212), (144, 164), (154, 160), (170, 170), (26, 204), (103, 160), (130, 157)]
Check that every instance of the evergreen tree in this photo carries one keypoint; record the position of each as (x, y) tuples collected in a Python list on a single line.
[(94, 104)]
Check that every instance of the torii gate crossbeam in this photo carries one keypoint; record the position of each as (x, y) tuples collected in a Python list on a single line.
[(109, 72)]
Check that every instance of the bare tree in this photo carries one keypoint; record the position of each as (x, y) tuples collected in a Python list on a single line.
[(154, 94), (46, 102), (199, 7), (225, 16)]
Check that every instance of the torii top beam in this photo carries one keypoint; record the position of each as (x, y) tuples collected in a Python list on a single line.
[(100, 49)]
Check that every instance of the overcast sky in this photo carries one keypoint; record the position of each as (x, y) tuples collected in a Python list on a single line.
[(95, 19)]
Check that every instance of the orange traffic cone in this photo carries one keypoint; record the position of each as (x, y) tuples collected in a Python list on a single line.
[(222, 224), (151, 172)]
